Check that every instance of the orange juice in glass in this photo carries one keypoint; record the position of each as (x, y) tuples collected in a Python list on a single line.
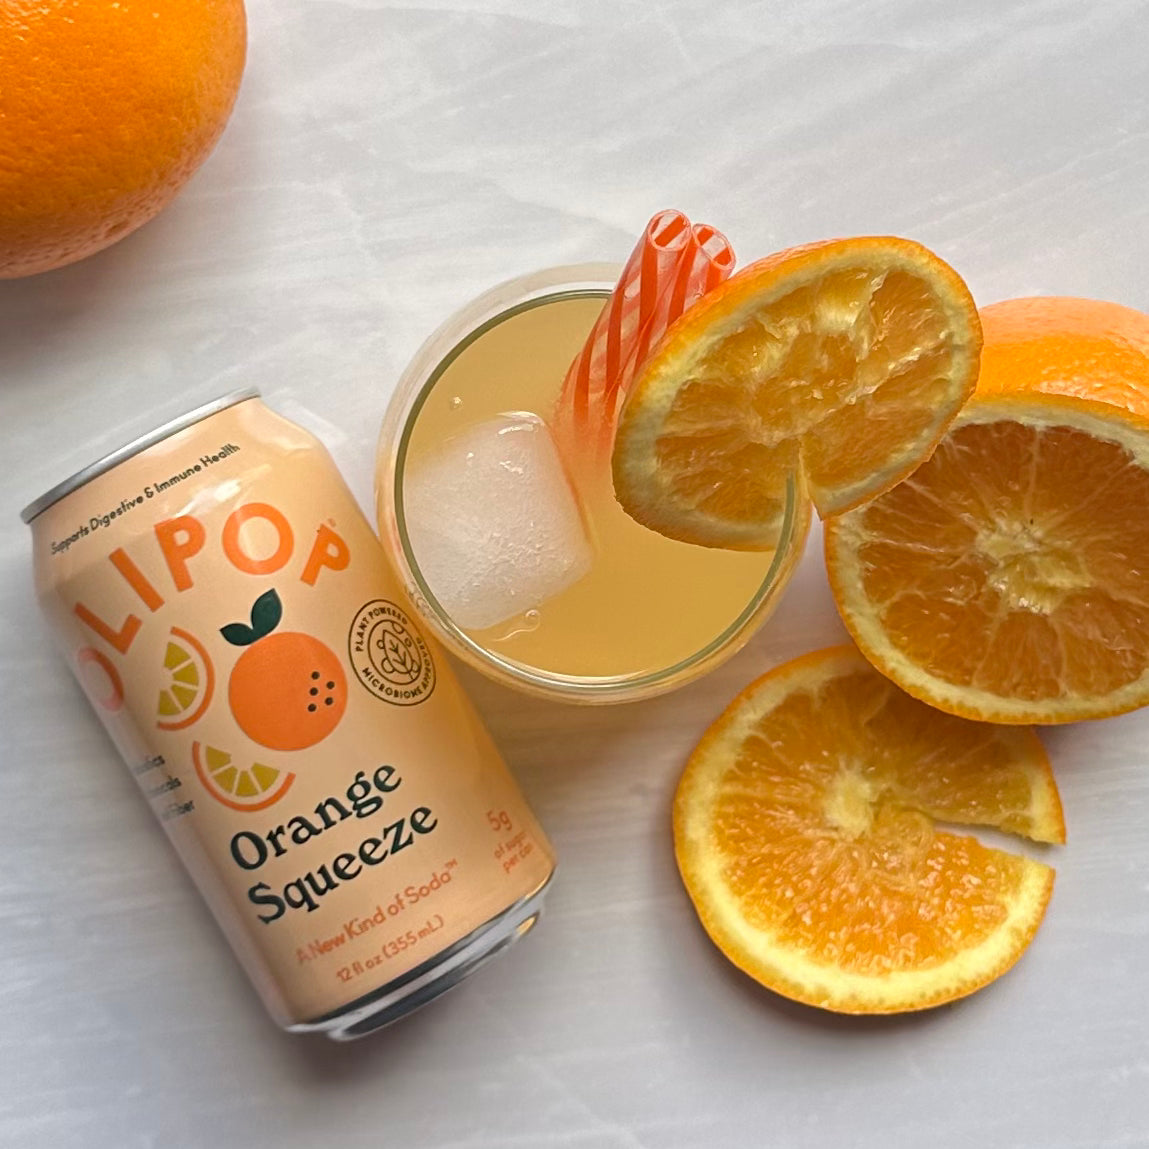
[(518, 557)]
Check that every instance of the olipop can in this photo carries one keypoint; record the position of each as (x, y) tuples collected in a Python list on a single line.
[(231, 617)]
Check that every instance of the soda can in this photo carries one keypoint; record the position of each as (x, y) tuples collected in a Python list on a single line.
[(232, 619)]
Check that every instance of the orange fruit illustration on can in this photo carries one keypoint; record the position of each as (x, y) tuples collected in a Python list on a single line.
[(189, 681), (287, 690)]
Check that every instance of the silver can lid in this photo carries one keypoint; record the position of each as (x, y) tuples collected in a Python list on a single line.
[(115, 458)]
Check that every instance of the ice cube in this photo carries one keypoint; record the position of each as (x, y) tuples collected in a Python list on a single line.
[(493, 521)]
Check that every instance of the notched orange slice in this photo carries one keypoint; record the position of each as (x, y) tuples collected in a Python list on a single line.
[(837, 366), (805, 828)]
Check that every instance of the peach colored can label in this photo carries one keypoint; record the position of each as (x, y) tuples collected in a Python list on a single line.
[(232, 619)]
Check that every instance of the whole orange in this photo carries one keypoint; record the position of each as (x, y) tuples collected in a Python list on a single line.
[(107, 107)]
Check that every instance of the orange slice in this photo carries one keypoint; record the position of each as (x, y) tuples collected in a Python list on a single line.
[(252, 787), (804, 828), (190, 682), (840, 363), (1008, 578)]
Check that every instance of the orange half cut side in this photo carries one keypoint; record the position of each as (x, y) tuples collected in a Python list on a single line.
[(1007, 579)]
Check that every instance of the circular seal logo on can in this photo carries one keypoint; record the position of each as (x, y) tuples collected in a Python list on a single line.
[(390, 657)]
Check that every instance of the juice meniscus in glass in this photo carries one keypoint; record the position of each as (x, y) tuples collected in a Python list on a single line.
[(642, 613)]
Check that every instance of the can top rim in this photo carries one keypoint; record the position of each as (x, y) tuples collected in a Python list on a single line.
[(142, 443)]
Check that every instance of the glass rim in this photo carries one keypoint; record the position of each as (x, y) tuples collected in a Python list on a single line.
[(471, 323)]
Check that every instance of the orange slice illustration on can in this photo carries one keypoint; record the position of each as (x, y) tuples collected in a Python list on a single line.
[(254, 786), (287, 690), (190, 682)]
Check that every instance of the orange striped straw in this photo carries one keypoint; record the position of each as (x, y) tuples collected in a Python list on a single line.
[(710, 261), (673, 265), (653, 261)]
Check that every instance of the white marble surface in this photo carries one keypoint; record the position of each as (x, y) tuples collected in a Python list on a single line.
[(386, 162)]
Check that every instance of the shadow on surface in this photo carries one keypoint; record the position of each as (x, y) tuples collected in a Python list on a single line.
[(319, 1060), (39, 310)]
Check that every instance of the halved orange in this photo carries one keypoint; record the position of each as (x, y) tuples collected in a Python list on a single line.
[(805, 831), (252, 787), (838, 365), (190, 681), (1008, 578)]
